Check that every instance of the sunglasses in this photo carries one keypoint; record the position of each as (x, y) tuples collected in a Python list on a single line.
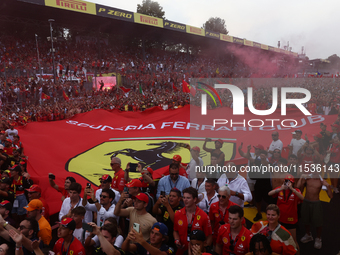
[(111, 164), (103, 196), (103, 182), (223, 196), (269, 237)]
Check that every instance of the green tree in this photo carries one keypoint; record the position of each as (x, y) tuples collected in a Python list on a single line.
[(151, 8), (216, 25)]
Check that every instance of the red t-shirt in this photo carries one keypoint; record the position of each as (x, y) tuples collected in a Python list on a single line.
[(288, 205), (63, 191), (200, 221), (335, 153), (75, 248), (216, 215), (240, 244), (118, 181)]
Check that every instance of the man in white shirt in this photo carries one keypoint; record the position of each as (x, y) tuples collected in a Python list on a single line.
[(104, 208), (239, 189), (78, 215), (210, 195), (74, 200), (296, 143), (276, 144), (195, 161)]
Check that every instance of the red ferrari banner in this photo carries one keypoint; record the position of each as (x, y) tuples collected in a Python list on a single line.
[(82, 146)]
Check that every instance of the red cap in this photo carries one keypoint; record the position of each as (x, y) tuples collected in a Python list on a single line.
[(290, 178), (196, 148), (68, 223), (177, 158), (259, 146), (106, 177), (318, 135), (219, 140), (8, 140), (143, 197), (335, 125), (149, 169), (34, 188), (134, 183)]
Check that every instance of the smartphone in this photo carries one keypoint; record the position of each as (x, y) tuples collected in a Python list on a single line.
[(163, 193), (136, 227), (126, 189), (133, 167), (88, 185), (87, 227), (51, 176)]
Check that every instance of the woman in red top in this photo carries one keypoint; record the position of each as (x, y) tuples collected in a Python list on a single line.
[(288, 198)]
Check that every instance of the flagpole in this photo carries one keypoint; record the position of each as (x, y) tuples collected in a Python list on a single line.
[(36, 41)]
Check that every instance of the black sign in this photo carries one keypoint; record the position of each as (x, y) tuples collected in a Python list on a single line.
[(114, 13), (174, 26), (212, 34)]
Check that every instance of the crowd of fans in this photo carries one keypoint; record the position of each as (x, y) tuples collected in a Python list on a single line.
[(25, 97), (184, 212)]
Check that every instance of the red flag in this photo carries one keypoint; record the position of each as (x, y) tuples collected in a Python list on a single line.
[(44, 96), (185, 87), (125, 89), (192, 91), (65, 96)]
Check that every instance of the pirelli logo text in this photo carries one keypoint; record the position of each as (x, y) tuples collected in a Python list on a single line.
[(195, 30), (148, 20), (72, 4)]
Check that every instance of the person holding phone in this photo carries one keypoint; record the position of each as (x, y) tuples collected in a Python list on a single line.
[(155, 246), (288, 198), (104, 207), (62, 190), (166, 207)]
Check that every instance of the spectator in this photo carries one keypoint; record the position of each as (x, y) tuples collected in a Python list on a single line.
[(217, 152), (174, 180), (296, 143), (19, 184), (260, 245), (5, 210), (209, 196), (288, 200), (177, 159), (62, 190), (137, 213), (118, 182), (5, 193), (197, 244), (311, 209), (233, 238), (239, 189), (11, 132), (156, 245), (105, 183), (195, 161), (107, 236), (281, 241), (104, 208), (219, 211), (135, 187), (72, 202), (276, 144), (190, 218), (67, 244), (199, 182), (78, 215), (34, 192), (34, 209), (166, 206)]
